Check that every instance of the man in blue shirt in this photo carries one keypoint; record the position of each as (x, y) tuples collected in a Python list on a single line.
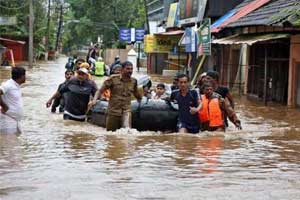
[(189, 105)]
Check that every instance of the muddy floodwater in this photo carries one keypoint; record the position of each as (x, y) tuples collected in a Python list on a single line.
[(55, 159)]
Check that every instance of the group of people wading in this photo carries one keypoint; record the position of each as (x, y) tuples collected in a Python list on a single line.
[(205, 108)]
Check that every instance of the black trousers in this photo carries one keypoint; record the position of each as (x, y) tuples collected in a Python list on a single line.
[(68, 117)]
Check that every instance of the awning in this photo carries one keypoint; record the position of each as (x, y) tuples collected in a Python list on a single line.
[(177, 32), (13, 41), (249, 39)]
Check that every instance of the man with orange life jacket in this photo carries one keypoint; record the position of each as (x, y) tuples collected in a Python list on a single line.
[(213, 77), (213, 109)]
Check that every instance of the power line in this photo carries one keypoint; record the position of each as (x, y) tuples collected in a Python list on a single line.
[(14, 8)]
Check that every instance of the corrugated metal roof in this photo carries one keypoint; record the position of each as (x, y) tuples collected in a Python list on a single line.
[(268, 14), (249, 39), (248, 7)]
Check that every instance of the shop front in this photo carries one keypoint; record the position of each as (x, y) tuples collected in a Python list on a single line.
[(163, 52)]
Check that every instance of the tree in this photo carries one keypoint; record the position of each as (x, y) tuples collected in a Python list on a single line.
[(101, 18), (20, 8)]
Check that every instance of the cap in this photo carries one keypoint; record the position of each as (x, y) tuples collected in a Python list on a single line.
[(203, 74), (84, 65), (84, 70)]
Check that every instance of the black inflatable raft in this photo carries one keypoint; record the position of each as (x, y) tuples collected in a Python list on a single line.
[(151, 115)]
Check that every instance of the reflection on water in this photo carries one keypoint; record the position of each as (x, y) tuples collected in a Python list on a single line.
[(54, 159)]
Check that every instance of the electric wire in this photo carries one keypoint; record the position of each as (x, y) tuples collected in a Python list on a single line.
[(14, 8)]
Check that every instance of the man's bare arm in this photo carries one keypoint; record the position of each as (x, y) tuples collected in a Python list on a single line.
[(230, 99), (230, 113), (54, 96), (194, 110), (4, 107)]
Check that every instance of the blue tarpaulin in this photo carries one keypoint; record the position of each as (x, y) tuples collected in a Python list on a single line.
[(223, 19)]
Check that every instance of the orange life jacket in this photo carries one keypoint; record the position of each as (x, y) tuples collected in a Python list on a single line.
[(211, 112), (106, 94)]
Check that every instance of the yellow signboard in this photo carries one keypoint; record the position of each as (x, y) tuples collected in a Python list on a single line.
[(149, 43), (160, 43)]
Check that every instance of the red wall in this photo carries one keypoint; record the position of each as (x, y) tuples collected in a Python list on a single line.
[(17, 50), (294, 57)]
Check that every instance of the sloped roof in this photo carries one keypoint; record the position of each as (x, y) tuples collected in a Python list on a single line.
[(13, 41), (243, 9), (243, 4), (270, 13)]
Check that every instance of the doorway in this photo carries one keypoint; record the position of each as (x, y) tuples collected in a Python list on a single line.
[(297, 75)]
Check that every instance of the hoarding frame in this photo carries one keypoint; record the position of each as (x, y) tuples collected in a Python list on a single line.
[(200, 13)]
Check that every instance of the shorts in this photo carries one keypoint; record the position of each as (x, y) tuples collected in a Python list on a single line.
[(190, 128)]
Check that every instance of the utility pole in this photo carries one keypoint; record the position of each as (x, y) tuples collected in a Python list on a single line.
[(48, 29), (147, 20), (59, 27), (31, 18)]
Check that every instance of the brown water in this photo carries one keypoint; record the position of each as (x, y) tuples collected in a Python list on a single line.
[(54, 159)]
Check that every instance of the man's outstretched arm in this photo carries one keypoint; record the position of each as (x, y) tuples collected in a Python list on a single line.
[(4, 107)]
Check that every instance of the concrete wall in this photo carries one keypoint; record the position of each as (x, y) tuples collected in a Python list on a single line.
[(294, 58)]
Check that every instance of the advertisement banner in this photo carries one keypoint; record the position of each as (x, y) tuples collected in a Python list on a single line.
[(149, 43), (204, 35), (160, 44), (191, 11), (190, 40), (173, 15)]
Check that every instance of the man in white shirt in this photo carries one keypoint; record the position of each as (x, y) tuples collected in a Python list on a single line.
[(11, 104)]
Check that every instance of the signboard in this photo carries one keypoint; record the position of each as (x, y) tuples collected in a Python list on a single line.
[(149, 43), (8, 20), (131, 34), (204, 36), (190, 40), (139, 34), (159, 43), (191, 11), (125, 35), (173, 15)]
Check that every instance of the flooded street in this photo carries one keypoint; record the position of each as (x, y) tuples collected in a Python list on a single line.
[(54, 159)]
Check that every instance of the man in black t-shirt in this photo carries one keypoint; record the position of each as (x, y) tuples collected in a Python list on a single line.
[(189, 105), (80, 90)]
